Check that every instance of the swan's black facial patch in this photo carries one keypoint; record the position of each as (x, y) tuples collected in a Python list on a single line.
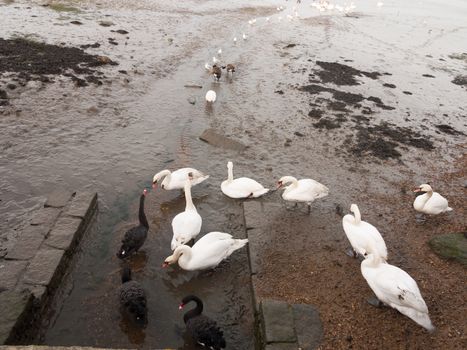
[(400, 297), (162, 186)]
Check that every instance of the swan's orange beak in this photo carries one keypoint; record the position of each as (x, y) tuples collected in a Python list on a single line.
[(279, 185), (181, 306), (154, 185), (165, 264), (418, 189)]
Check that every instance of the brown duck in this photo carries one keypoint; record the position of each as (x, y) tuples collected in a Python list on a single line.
[(216, 72)]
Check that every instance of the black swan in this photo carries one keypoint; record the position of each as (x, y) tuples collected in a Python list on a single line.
[(134, 238), (133, 297), (202, 329)]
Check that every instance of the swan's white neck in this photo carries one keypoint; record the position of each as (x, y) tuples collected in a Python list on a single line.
[(188, 198), (356, 212), (230, 174), (425, 197), (164, 173), (183, 255), (372, 260), (290, 179)]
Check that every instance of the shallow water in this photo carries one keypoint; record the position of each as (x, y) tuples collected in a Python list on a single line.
[(112, 139)]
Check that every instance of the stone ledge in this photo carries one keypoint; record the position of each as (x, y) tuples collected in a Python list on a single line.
[(45, 216), (58, 198), (43, 267), (10, 272), (83, 205), (15, 310), (28, 243), (64, 233)]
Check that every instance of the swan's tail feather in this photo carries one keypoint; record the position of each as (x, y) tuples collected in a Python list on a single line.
[(239, 243), (449, 209)]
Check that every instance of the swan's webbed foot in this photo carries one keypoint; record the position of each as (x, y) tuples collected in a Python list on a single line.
[(309, 207), (420, 218), (352, 253), (374, 301)]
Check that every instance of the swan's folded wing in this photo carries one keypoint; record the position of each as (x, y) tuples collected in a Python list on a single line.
[(402, 291), (210, 237), (437, 203)]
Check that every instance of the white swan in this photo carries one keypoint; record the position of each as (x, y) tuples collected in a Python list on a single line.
[(211, 96), (360, 233), (176, 180), (430, 202), (206, 253), (394, 287), (243, 187), (186, 225), (304, 190)]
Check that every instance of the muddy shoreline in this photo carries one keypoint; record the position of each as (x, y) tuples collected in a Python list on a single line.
[(370, 121)]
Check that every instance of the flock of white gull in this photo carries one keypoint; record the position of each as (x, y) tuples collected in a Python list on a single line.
[(391, 285)]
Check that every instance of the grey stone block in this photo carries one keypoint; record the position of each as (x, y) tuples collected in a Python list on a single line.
[(308, 326), (255, 242), (10, 272), (58, 198), (251, 210), (15, 308), (278, 322), (28, 243), (282, 346), (83, 205), (256, 297), (64, 232), (45, 216), (43, 267), (218, 140)]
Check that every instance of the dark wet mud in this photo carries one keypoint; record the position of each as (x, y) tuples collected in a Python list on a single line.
[(29, 60)]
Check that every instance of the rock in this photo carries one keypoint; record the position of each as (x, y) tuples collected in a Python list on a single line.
[(450, 246), (45, 216), (76, 22), (215, 139), (15, 307), (64, 232), (10, 272), (308, 326), (192, 100), (3, 98), (28, 243), (106, 23), (58, 198), (11, 86), (278, 321), (460, 80), (43, 267), (255, 241), (299, 134), (120, 31), (104, 59)]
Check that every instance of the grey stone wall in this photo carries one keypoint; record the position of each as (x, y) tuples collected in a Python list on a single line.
[(31, 270), (280, 325)]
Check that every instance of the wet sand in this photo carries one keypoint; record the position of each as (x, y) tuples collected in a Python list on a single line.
[(370, 137)]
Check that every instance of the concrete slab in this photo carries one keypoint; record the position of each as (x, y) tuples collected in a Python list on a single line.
[(45, 216), (10, 272), (83, 204), (28, 243), (43, 267), (58, 198), (308, 326), (218, 140), (278, 322), (64, 233)]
